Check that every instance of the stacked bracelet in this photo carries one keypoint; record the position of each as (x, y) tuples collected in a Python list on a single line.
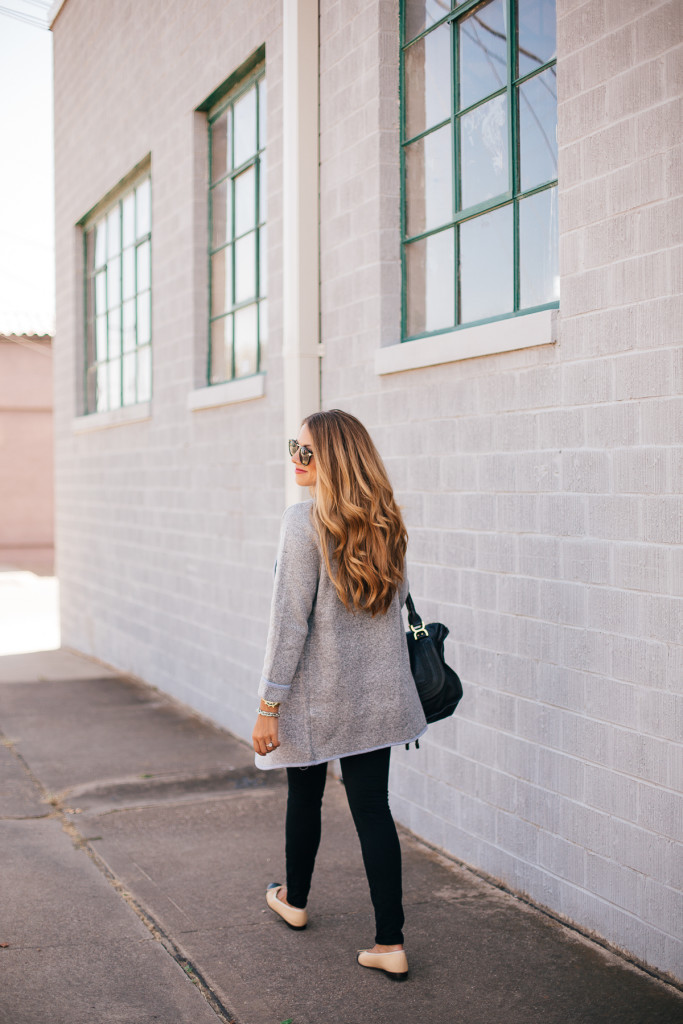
[(269, 714), (271, 703)]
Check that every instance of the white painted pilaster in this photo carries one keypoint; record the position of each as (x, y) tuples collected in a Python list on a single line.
[(301, 343)]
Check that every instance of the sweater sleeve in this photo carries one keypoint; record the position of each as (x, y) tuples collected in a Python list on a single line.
[(294, 592)]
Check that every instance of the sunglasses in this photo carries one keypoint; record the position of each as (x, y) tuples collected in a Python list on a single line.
[(305, 454)]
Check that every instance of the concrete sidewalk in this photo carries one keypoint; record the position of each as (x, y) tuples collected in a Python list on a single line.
[(137, 843)]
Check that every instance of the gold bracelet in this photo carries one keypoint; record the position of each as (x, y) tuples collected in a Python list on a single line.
[(270, 703)]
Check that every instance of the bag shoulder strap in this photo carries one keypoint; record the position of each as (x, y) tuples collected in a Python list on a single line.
[(416, 622)]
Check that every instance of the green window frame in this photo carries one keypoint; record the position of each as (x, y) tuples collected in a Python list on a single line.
[(238, 321), (478, 103), (117, 242)]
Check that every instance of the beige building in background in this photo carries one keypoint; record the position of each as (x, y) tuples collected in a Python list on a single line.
[(498, 300), (26, 452)]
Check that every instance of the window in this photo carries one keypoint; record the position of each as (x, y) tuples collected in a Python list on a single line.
[(238, 324), (479, 161), (118, 306)]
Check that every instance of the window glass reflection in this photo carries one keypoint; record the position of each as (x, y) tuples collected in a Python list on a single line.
[(91, 388), (539, 277), (262, 113), (430, 283), (246, 351), (238, 212), (263, 261), (128, 219), (102, 390), (428, 81), (100, 243), (101, 337), (114, 331), (129, 365), (221, 349), (244, 113), (143, 266), (144, 318), (245, 267), (114, 380), (221, 214), (101, 292), (114, 232), (483, 52), (129, 325), (221, 281), (118, 297), (420, 14), (220, 146), (90, 342), (114, 282), (536, 28), (143, 218), (538, 129), (429, 182), (128, 273), (263, 336), (486, 266), (144, 382), (245, 200), (484, 152), (263, 189)]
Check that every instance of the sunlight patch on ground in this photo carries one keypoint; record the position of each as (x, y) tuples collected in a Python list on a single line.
[(29, 612)]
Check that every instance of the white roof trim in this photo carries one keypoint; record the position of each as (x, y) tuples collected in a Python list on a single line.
[(54, 11)]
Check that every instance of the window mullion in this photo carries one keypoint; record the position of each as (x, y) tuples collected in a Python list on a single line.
[(536, 71), (120, 304), (257, 222), (430, 28), (233, 259), (455, 141), (513, 146), (402, 161), (427, 131), (88, 289), (210, 247), (106, 314)]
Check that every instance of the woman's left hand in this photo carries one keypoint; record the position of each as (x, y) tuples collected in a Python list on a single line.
[(265, 735)]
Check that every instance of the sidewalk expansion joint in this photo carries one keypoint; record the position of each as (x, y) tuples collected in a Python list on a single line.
[(128, 793), (81, 842), (191, 971)]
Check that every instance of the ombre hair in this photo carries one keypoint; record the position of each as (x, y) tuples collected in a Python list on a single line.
[(360, 526)]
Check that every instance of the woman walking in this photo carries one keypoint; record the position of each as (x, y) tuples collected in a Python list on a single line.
[(336, 679)]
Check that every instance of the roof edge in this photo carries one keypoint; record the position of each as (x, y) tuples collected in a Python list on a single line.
[(54, 11)]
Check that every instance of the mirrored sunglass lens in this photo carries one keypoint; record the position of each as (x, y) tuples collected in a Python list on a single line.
[(305, 456), (292, 447)]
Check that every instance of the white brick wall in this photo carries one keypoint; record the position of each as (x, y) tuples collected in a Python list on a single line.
[(165, 528), (541, 488)]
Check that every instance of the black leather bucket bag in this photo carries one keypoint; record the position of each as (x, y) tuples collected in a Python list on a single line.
[(437, 684)]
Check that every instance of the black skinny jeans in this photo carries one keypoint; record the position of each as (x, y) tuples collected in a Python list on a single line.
[(366, 778)]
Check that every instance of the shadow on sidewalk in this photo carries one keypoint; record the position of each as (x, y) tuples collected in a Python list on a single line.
[(140, 839)]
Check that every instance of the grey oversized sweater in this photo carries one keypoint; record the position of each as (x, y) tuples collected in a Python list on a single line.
[(342, 678)]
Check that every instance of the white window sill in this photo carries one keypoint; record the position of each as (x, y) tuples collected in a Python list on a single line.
[(486, 339), (112, 418), (242, 390)]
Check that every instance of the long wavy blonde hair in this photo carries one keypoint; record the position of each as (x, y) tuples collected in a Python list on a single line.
[(360, 526)]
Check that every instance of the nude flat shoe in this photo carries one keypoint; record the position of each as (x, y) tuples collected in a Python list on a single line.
[(295, 917), (394, 964)]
